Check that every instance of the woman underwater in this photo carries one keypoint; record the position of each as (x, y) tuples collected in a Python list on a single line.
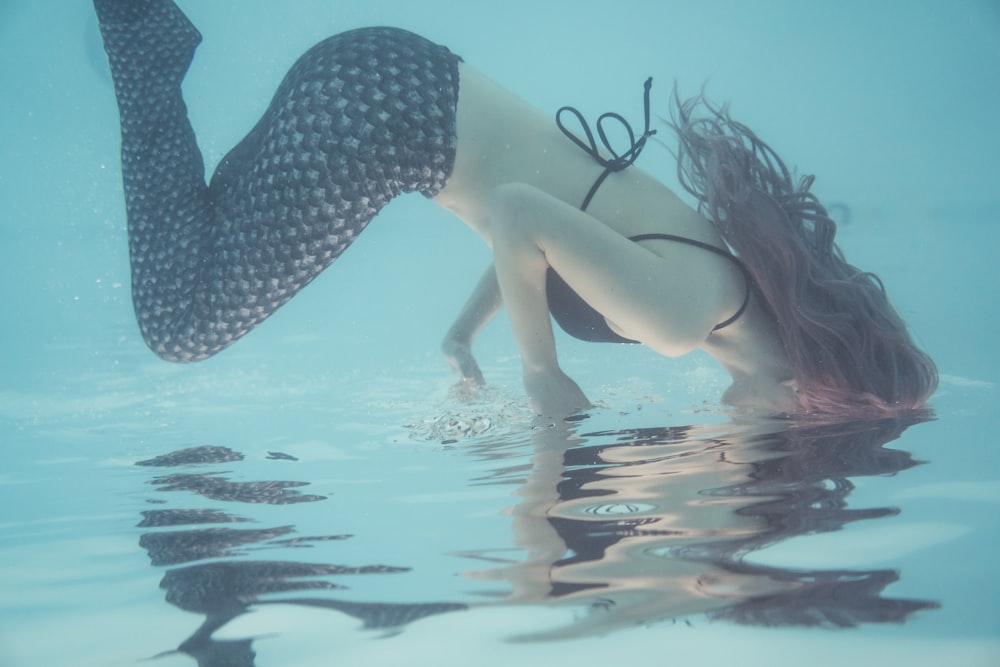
[(753, 277)]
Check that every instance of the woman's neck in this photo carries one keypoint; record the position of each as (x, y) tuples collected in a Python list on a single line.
[(750, 349)]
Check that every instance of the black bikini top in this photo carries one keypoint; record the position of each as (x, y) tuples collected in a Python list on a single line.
[(569, 310)]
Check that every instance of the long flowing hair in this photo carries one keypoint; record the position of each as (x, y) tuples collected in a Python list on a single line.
[(850, 350)]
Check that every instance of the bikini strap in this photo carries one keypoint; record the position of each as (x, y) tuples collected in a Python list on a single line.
[(625, 160), (747, 278), (617, 162)]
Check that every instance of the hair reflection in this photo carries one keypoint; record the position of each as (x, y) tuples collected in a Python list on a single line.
[(655, 524)]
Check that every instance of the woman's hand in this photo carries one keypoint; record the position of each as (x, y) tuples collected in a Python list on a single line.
[(482, 305), (458, 354), (554, 394)]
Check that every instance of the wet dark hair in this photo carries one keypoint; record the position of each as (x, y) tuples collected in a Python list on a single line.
[(850, 350)]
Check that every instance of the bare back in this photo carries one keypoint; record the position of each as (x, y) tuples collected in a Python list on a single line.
[(503, 139)]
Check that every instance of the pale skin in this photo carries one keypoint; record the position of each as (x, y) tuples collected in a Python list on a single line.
[(518, 182)]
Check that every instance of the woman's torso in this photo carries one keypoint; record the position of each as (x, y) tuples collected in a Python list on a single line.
[(502, 139)]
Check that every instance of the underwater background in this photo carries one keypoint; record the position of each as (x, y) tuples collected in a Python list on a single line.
[(319, 494)]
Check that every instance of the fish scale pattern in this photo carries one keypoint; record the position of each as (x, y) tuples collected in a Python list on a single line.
[(360, 118)]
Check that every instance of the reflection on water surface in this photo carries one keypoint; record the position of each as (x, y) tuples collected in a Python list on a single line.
[(627, 527)]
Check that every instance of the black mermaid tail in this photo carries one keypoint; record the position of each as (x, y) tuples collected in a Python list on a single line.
[(360, 118)]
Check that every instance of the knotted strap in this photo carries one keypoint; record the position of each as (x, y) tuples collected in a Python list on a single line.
[(617, 162)]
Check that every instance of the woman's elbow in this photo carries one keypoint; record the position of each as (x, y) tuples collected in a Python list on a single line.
[(671, 347), (676, 338)]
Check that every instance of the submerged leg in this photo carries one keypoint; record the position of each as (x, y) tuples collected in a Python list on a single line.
[(360, 118), (150, 44)]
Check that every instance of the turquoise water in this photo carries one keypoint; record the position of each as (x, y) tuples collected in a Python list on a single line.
[(317, 495)]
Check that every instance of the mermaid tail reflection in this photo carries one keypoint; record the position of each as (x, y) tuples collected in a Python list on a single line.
[(224, 590), (633, 526)]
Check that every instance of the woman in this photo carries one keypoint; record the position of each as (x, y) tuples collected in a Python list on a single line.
[(614, 254)]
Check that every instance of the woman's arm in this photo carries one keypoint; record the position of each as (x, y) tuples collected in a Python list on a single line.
[(521, 266), (484, 302), (668, 300)]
